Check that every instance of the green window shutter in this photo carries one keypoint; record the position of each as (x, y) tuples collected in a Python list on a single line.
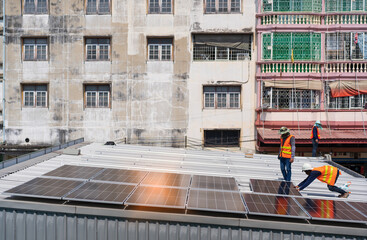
[(266, 43)]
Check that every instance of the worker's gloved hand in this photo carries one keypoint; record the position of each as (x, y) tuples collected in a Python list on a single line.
[(296, 187), (292, 160)]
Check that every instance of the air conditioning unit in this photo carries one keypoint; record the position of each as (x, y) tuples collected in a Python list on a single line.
[(243, 56)]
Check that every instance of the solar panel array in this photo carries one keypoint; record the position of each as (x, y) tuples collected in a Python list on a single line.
[(183, 191)]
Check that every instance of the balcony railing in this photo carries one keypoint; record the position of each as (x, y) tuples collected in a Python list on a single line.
[(290, 19), (345, 19), (290, 68), (346, 68)]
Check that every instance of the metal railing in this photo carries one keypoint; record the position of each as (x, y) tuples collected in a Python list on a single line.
[(38, 153)]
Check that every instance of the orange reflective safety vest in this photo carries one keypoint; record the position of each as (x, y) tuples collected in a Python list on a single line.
[(318, 133), (328, 174), (286, 147)]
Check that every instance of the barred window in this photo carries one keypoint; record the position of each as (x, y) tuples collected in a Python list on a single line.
[(34, 95), (98, 6), (35, 6), (160, 6), (346, 46), (97, 96), (345, 5), (222, 138), (229, 47), (351, 102), (98, 49), (35, 49), (222, 6), (222, 97), (291, 5), (160, 49), (283, 98)]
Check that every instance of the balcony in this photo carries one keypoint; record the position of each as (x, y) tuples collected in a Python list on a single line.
[(288, 19), (290, 68), (359, 67), (337, 19)]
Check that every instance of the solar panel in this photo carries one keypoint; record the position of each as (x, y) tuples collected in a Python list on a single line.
[(205, 200), (323, 209), (45, 188), (101, 192), (214, 183), (150, 196), (271, 205), (167, 179), (75, 172), (120, 175), (360, 206), (273, 187)]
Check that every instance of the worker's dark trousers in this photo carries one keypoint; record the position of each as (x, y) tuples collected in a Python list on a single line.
[(285, 167), (335, 188), (314, 147)]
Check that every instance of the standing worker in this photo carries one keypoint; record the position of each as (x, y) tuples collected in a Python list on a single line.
[(315, 136), (286, 152), (326, 174)]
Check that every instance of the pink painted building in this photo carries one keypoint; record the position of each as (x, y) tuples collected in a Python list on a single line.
[(312, 65)]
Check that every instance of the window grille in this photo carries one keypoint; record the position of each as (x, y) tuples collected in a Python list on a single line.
[(35, 6), (352, 102), (97, 96), (35, 49), (222, 97), (279, 46), (278, 98), (160, 49), (213, 53), (345, 5), (160, 6), (98, 6), (291, 5), (97, 49), (222, 6), (224, 138), (35, 95), (346, 46)]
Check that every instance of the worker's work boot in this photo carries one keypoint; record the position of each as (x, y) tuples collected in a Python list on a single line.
[(345, 195)]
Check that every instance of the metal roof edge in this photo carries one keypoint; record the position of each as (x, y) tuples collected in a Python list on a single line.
[(171, 217)]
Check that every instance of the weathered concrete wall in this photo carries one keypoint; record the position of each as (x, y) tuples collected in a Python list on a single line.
[(150, 100)]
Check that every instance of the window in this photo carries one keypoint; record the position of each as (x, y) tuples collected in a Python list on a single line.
[(284, 98), (279, 46), (98, 49), (35, 6), (346, 46), (160, 6), (222, 138), (291, 5), (160, 49), (35, 49), (351, 102), (34, 95), (218, 47), (98, 6), (345, 5), (222, 6), (222, 97), (97, 96)]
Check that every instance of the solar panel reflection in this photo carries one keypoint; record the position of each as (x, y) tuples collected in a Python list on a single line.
[(76, 172), (324, 209), (45, 188), (150, 196), (101, 193), (360, 206), (167, 179), (229, 202), (121, 176), (214, 183), (273, 187), (280, 206)]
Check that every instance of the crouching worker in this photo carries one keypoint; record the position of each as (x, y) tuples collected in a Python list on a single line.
[(326, 174)]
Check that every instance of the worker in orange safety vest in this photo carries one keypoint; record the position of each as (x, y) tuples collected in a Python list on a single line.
[(327, 174), (315, 136), (286, 152)]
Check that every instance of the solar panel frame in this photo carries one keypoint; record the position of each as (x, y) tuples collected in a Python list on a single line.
[(113, 175), (342, 205), (39, 185), (251, 198), (141, 190), (73, 172), (78, 194), (274, 187), (195, 194), (214, 183), (170, 180)]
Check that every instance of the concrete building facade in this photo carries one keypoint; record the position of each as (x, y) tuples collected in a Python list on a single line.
[(145, 71), (312, 66)]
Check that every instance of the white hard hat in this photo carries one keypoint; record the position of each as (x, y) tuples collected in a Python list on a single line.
[(306, 167), (318, 122)]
